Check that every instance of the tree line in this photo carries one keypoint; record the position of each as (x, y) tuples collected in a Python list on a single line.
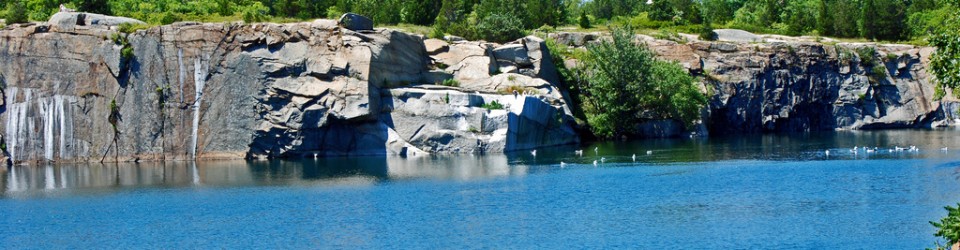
[(891, 20)]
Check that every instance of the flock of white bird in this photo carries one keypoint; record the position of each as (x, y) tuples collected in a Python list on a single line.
[(856, 150), (868, 150), (596, 150)]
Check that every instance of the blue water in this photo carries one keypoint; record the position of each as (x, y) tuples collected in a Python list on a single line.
[(763, 192)]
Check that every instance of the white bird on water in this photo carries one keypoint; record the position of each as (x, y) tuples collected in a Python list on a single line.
[(594, 163), (649, 152), (945, 149), (563, 164), (534, 153), (578, 152), (634, 157), (603, 159), (827, 152)]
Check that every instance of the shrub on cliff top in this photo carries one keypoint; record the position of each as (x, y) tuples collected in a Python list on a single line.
[(626, 85), (500, 28), (16, 13)]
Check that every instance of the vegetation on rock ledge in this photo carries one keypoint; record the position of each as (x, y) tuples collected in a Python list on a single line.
[(892, 20), (626, 85)]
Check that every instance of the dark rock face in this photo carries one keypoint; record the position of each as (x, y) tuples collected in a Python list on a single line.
[(227, 91), (801, 86), (787, 87)]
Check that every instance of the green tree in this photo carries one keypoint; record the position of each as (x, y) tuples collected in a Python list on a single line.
[(420, 12), (824, 18), (706, 29), (16, 12), (95, 6), (945, 63), (886, 17), (584, 20), (949, 227), (625, 80), (843, 11), (499, 28), (721, 11), (800, 16)]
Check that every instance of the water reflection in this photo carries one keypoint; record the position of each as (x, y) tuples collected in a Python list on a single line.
[(335, 171), (370, 171)]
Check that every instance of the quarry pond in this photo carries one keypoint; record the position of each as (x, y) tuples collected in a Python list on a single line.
[(757, 191)]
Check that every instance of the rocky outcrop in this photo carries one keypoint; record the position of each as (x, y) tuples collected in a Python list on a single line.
[(802, 86), (215, 91)]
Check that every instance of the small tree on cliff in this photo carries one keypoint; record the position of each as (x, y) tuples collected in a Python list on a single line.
[(626, 84)]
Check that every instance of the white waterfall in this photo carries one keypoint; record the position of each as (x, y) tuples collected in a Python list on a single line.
[(199, 77), (66, 126), (48, 110), (17, 123), (183, 72), (12, 121), (54, 136)]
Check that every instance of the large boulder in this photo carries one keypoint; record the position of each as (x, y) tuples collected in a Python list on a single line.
[(68, 21), (355, 22)]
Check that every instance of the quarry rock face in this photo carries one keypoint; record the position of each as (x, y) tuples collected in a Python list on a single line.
[(225, 91), (77, 90), (789, 86)]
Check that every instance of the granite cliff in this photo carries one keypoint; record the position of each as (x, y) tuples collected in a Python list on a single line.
[(785, 84), (77, 90)]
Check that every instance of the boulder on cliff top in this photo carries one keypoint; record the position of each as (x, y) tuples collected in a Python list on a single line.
[(355, 22), (735, 35), (68, 21)]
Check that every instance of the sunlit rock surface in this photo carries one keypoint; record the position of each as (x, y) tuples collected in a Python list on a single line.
[(234, 91), (783, 84)]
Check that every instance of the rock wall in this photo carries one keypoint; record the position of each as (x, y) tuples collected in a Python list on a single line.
[(222, 91), (795, 85)]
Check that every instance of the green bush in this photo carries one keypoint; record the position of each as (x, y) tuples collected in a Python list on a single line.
[(584, 20), (437, 32), (707, 34), (450, 83), (492, 105), (500, 28), (626, 80), (878, 71), (255, 13), (16, 13), (132, 27), (867, 56), (949, 227)]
